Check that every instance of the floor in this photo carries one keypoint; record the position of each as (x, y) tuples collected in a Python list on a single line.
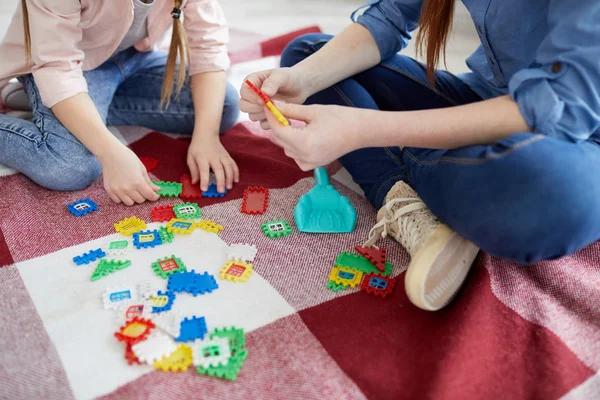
[(272, 17)]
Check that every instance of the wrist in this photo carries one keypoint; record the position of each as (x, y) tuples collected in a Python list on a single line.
[(305, 78), (106, 147)]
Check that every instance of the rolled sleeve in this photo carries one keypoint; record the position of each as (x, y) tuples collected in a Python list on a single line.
[(208, 36), (57, 58), (390, 22), (560, 95)]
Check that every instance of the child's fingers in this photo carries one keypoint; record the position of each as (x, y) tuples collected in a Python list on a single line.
[(136, 196), (154, 187), (147, 192), (113, 197), (204, 174), (228, 173), (128, 201), (193, 167), (217, 169), (236, 171)]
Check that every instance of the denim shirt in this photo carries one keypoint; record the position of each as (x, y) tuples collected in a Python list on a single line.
[(544, 53)]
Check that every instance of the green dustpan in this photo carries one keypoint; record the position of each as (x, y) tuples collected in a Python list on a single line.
[(323, 209)]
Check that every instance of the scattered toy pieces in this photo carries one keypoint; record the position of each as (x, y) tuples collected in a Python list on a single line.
[(127, 311), (89, 257), (236, 271), (241, 252), (375, 255), (167, 266), (135, 331), (209, 226), (189, 191), (181, 226), (187, 211), (82, 207), (346, 276), (378, 285), (145, 239), (149, 162), (165, 235), (162, 301), (154, 348), (360, 263), (211, 353), (213, 192), (192, 329), (231, 369), (168, 189), (179, 360), (276, 228), (129, 226), (192, 282), (162, 214), (169, 322), (116, 297), (106, 267), (255, 200), (117, 247)]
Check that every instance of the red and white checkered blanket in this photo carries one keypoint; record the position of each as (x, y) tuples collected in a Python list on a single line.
[(513, 332)]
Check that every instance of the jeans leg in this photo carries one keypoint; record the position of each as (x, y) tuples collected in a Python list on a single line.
[(526, 198), (137, 100), (399, 83)]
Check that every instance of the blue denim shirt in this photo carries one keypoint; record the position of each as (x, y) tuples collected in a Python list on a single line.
[(544, 53)]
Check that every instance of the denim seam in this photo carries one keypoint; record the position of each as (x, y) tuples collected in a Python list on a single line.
[(396, 178), (120, 69), (478, 161), (419, 81), (16, 132)]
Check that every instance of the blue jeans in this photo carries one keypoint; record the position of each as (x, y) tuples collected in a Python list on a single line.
[(126, 91), (525, 198)]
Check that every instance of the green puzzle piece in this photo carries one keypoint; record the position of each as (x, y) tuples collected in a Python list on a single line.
[(360, 263), (169, 189), (237, 342), (106, 267)]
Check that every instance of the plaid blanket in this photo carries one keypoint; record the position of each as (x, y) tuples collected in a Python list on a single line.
[(513, 332)]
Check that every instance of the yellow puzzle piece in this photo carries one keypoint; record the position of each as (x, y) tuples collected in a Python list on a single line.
[(209, 226), (346, 276), (236, 271), (181, 226), (129, 226), (178, 360)]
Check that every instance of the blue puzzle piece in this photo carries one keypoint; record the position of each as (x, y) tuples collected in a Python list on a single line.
[(168, 305), (146, 239), (323, 209), (88, 257), (205, 283), (192, 329), (212, 191), (181, 281), (82, 207)]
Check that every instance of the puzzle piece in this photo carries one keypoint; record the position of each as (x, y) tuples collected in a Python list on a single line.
[(129, 226), (162, 214), (108, 267), (209, 226), (162, 301), (82, 207), (117, 247), (167, 266), (360, 263), (181, 226), (135, 331), (189, 191), (241, 252), (149, 163), (88, 257), (145, 239), (276, 228), (139, 309), (375, 255), (178, 360), (231, 369), (331, 285), (211, 353), (255, 200), (378, 285), (165, 235), (235, 337), (130, 356), (116, 297), (168, 189), (169, 322), (236, 271), (346, 276), (187, 211), (154, 348), (192, 329), (212, 191), (206, 284), (192, 282)]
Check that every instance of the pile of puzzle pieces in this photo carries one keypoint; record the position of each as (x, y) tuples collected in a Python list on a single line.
[(367, 270)]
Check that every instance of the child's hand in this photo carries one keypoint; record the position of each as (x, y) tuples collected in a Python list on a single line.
[(280, 83), (206, 154), (125, 177)]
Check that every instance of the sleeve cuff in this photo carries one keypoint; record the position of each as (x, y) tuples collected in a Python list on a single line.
[(56, 85), (204, 63)]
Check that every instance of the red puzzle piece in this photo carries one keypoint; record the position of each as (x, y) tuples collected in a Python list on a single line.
[(130, 356), (376, 256), (189, 191), (163, 214), (149, 163), (255, 200), (378, 285)]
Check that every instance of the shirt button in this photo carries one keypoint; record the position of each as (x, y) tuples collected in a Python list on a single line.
[(556, 67)]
